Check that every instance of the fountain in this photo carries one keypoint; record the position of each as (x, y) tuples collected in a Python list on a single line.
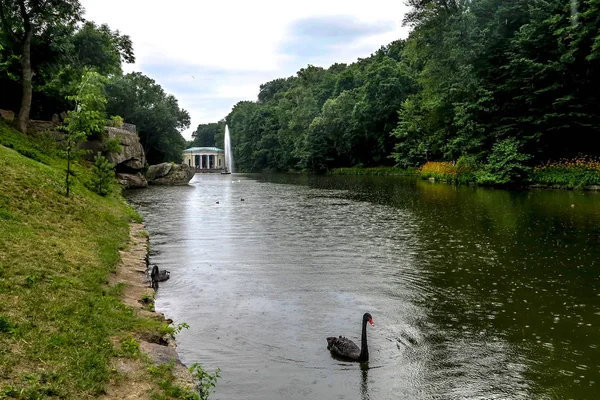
[(228, 154)]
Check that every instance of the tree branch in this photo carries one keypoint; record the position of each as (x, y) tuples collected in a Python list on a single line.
[(24, 15)]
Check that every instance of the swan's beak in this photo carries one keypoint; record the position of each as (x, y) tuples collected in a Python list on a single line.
[(371, 322)]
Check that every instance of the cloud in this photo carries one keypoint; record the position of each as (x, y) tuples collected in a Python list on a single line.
[(326, 39), (210, 55), (337, 28)]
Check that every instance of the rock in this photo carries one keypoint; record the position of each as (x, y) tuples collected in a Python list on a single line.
[(169, 174), (39, 126), (158, 171), (132, 155), (7, 115), (132, 181)]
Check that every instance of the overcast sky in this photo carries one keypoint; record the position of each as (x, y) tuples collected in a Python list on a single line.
[(211, 54)]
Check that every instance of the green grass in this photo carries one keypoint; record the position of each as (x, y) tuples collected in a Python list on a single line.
[(57, 312)]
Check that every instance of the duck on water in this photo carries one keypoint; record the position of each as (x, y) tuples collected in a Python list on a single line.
[(345, 348)]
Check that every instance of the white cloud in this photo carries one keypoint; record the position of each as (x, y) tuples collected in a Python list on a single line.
[(239, 42)]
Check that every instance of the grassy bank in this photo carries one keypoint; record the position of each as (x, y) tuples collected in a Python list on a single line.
[(61, 323)]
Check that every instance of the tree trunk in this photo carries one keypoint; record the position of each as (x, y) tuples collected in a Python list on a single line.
[(27, 76)]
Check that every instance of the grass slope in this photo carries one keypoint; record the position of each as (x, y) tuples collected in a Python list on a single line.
[(58, 316)]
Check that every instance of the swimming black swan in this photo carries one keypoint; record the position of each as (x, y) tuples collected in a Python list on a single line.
[(158, 276), (346, 348)]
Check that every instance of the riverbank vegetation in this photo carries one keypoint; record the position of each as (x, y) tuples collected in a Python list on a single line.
[(62, 325), (45, 51), (508, 85)]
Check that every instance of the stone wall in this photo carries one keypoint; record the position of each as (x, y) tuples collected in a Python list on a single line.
[(7, 115)]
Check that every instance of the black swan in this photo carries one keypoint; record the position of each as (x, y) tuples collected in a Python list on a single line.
[(346, 348), (158, 276)]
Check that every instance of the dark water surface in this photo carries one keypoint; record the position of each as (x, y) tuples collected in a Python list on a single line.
[(475, 293)]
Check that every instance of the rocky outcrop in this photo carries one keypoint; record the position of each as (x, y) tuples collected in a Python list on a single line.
[(169, 174), (129, 162), (132, 155)]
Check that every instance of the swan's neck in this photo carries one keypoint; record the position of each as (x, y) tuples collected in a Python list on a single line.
[(364, 349)]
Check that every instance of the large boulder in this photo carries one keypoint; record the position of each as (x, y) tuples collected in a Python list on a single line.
[(132, 155), (169, 174), (131, 158), (132, 181)]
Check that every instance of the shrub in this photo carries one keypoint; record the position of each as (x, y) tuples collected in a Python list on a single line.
[(505, 164), (466, 168), (443, 171), (103, 175), (205, 381), (116, 121), (130, 347), (112, 145)]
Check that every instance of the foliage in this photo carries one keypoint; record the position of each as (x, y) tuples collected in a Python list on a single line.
[(103, 175), (117, 121), (529, 78), (568, 173), (63, 49), (25, 24), (112, 145), (86, 119), (505, 164), (130, 347), (157, 116), (205, 381), (321, 119), (466, 168), (172, 331), (164, 375), (443, 171), (209, 135)]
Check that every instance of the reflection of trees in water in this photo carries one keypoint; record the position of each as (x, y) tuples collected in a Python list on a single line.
[(364, 383)]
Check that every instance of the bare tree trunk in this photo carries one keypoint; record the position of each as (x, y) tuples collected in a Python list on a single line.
[(27, 76)]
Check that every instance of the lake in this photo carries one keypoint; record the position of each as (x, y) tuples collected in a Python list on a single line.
[(475, 293)]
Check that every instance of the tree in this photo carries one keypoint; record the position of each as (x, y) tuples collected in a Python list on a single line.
[(103, 174), (205, 134), (86, 119), (159, 120), (25, 20)]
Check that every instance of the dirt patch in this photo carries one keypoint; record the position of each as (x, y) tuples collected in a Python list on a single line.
[(132, 380)]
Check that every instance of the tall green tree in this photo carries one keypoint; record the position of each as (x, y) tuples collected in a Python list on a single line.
[(157, 115), (206, 134), (23, 22)]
